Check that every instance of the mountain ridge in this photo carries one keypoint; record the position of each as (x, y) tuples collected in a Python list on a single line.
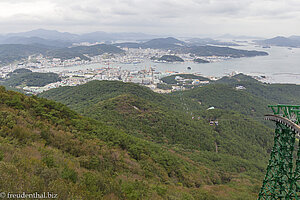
[(280, 41)]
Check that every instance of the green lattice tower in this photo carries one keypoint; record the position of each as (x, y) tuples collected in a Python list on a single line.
[(283, 172)]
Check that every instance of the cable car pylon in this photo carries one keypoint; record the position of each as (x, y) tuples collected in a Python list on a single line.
[(282, 179)]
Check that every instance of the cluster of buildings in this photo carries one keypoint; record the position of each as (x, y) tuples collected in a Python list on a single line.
[(148, 76), (131, 56)]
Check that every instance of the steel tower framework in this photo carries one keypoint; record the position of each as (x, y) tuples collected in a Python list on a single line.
[(282, 180)]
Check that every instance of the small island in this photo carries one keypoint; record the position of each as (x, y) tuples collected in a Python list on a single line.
[(168, 58), (199, 60)]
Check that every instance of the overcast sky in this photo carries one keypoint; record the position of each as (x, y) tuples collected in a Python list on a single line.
[(169, 17)]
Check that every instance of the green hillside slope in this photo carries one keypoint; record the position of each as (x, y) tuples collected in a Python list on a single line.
[(177, 122), (225, 96), (83, 96), (45, 146), (35, 79), (277, 93), (153, 122)]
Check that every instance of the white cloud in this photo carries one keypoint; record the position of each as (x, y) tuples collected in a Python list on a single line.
[(156, 16)]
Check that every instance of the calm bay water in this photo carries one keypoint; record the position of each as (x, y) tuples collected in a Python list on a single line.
[(281, 66)]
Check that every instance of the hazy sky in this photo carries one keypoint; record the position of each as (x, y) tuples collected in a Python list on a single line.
[(170, 17)]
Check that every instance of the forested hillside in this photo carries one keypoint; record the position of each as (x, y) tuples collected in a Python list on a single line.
[(34, 79), (224, 96), (277, 93), (238, 146), (44, 146), (137, 144), (252, 100), (83, 96)]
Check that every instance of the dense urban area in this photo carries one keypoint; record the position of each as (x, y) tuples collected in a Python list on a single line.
[(106, 69)]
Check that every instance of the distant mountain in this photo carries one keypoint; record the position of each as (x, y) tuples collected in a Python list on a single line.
[(16, 52), (162, 43), (129, 45), (45, 34), (157, 43), (179, 46), (280, 41), (82, 51), (207, 41), (35, 40), (92, 37), (295, 37), (48, 40), (243, 37), (2, 37), (101, 36), (221, 51)]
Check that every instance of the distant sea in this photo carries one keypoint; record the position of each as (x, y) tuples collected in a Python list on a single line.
[(282, 65)]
